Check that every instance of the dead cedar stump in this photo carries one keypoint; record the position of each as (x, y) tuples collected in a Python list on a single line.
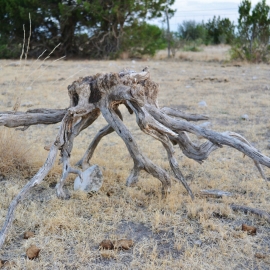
[(102, 94)]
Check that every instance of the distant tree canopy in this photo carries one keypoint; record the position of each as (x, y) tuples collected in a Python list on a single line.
[(94, 28), (253, 32), (215, 31)]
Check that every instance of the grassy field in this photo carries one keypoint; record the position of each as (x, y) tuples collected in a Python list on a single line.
[(171, 233)]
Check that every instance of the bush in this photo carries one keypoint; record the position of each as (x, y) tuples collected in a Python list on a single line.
[(143, 39), (252, 43)]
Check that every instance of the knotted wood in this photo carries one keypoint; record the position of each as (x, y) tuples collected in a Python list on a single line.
[(102, 94)]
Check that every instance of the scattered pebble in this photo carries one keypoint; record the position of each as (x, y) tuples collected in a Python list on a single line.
[(198, 243), (244, 117), (202, 103), (92, 180), (28, 235), (106, 244), (27, 104), (32, 252), (28, 88), (124, 244), (14, 64), (254, 78), (260, 255), (249, 229)]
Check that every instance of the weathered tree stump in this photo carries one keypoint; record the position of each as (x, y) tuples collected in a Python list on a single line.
[(102, 94)]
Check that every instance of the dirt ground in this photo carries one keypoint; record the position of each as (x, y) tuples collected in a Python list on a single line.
[(171, 233)]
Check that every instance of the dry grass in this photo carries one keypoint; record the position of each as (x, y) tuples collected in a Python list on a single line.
[(15, 155), (207, 54), (175, 233)]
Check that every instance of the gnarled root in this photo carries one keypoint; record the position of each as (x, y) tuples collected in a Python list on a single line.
[(140, 161), (231, 139)]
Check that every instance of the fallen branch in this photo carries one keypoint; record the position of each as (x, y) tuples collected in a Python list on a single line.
[(215, 193), (255, 211)]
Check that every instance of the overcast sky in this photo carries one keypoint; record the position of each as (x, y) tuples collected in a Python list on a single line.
[(204, 10)]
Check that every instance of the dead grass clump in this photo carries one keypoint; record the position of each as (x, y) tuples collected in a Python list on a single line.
[(15, 157)]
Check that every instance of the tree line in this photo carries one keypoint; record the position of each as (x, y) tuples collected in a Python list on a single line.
[(88, 28), (106, 28), (249, 39)]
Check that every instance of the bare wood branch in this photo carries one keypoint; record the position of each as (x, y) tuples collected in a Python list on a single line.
[(32, 117), (215, 193), (140, 161), (255, 211), (216, 138), (39, 176), (181, 114)]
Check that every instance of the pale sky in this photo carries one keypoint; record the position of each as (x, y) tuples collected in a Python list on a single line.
[(199, 10)]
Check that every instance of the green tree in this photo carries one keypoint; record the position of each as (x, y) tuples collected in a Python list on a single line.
[(254, 31), (143, 39), (190, 30), (220, 31), (83, 27)]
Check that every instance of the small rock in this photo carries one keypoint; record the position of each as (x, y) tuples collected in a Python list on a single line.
[(28, 235), (133, 62), (28, 88), (47, 147), (14, 64), (254, 78), (198, 243), (27, 104), (7, 264), (2, 263), (188, 86), (249, 229), (202, 104), (123, 244), (106, 244), (32, 252), (268, 146), (244, 117), (92, 180), (260, 255)]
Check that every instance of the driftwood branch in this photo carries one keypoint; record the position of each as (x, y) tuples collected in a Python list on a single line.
[(255, 211), (102, 94), (215, 193), (31, 117)]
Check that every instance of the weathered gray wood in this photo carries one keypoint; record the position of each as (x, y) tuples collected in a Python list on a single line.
[(215, 193), (93, 95), (140, 161), (184, 115), (32, 117), (255, 211), (216, 138), (153, 128), (38, 177)]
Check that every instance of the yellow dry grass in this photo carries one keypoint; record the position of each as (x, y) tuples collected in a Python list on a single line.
[(171, 233)]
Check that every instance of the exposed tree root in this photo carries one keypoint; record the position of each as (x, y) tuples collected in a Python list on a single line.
[(102, 94)]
